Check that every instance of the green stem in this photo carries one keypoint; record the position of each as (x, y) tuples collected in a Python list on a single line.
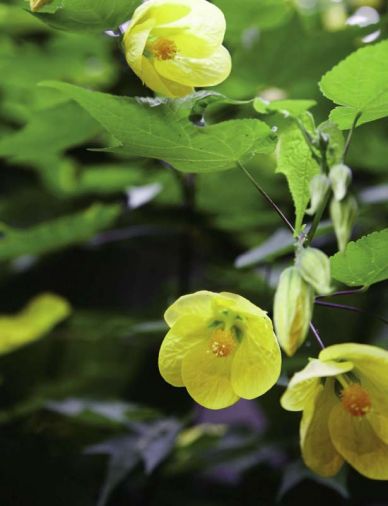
[(264, 194), (350, 135)]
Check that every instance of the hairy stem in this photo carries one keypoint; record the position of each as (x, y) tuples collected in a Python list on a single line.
[(350, 135)]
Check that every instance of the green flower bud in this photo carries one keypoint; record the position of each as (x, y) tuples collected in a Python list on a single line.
[(293, 309), (314, 267), (343, 215), (35, 5), (340, 178), (318, 188)]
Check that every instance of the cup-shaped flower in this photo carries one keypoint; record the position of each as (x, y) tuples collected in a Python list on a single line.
[(220, 347), (343, 396), (176, 45)]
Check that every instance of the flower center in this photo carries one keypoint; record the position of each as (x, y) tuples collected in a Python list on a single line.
[(356, 400), (163, 49), (222, 343)]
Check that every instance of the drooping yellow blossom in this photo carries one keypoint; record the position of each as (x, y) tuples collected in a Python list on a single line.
[(220, 347), (176, 45), (343, 396)]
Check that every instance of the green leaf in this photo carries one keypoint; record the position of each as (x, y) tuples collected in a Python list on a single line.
[(50, 131), (57, 234), (364, 262), (336, 145), (87, 15), (296, 162), (359, 84), (101, 413), (33, 322), (161, 130)]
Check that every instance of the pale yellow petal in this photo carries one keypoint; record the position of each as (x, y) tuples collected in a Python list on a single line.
[(318, 450), (188, 71), (162, 11), (207, 377), (239, 305), (161, 85), (257, 362), (304, 383), (378, 415), (135, 40), (203, 20), (369, 361), (357, 442), (198, 304), (184, 335)]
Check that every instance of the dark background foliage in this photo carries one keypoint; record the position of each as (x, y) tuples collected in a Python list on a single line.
[(85, 416)]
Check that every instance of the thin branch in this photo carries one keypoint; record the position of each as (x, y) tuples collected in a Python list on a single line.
[(351, 309), (264, 194), (314, 330)]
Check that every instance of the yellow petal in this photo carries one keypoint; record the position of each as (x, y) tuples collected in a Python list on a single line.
[(135, 40), (208, 71), (357, 442), (370, 361), (162, 11), (257, 362), (239, 305), (184, 335), (304, 383), (202, 19), (318, 450), (378, 415), (198, 304), (207, 377)]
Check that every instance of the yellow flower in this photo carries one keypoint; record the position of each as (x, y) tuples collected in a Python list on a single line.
[(343, 396), (175, 45), (220, 347)]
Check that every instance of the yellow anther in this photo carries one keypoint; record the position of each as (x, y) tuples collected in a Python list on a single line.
[(222, 343), (356, 400), (163, 49)]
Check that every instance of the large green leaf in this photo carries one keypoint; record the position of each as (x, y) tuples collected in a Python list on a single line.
[(33, 322), (364, 262), (296, 162), (56, 234), (87, 15), (159, 130), (359, 84)]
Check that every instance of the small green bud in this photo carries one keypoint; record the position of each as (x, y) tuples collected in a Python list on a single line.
[(314, 267), (340, 178), (35, 5), (343, 215), (293, 309), (318, 189)]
